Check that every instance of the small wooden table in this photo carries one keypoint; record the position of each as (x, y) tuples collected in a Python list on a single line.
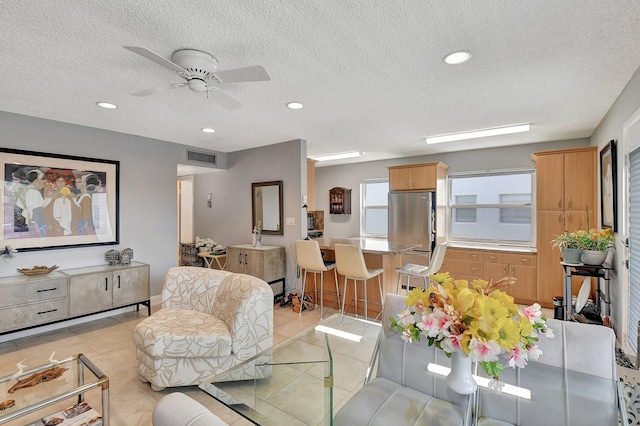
[(209, 257)]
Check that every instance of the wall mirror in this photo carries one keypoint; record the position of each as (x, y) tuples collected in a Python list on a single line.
[(266, 202)]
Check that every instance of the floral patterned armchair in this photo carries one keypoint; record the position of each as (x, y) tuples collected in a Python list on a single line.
[(209, 321)]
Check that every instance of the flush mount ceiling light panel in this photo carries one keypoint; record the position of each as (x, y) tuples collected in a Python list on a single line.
[(458, 57), (207, 130), (337, 156), (495, 131)]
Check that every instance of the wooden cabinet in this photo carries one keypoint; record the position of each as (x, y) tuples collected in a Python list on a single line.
[(472, 264), (265, 262), (566, 186), (339, 201), (416, 177), (189, 255), (521, 266), (102, 288), (311, 184), (30, 301)]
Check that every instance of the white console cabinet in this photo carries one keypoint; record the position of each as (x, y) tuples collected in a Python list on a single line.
[(31, 301)]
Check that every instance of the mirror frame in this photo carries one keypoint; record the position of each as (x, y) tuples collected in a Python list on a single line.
[(256, 185)]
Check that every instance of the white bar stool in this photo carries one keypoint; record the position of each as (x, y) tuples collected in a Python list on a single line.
[(310, 259), (350, 264), (410, 270)]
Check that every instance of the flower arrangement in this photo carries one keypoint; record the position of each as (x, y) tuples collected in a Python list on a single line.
[(587, 240), (205, 242), (478, 319)]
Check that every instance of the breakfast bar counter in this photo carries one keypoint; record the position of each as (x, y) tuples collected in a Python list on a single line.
[(378, 253)]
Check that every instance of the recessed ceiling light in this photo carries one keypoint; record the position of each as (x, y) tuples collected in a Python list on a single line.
[(479, 133), (208, 130), (459, 57), (295, 105), (337, 156), (106, 105)]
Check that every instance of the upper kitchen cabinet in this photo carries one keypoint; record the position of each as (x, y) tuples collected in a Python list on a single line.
[(416, 177), (311, 184), (566, 179)]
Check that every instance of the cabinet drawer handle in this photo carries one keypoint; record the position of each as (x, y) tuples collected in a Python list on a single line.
[(473, 256), (46, 312), (118, 281), (47, 289), (513, 271), (569, 217), (504, 270), (240, 258), (106, 284), (473, 269), (560, 217), (569, 202), (493, 257), (559, 202), (525, 260), (245, 258)]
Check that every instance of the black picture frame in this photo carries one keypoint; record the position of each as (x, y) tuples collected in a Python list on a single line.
[(52, 201), (608, 187)]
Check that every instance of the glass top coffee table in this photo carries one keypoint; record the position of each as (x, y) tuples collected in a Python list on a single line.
[(300, 380), (68, 379)]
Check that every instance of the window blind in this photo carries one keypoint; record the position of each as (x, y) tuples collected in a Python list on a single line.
[(634, 246)]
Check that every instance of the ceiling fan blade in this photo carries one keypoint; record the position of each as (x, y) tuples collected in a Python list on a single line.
[(254, 73), (155, 58), (225, 101), (157, 89)]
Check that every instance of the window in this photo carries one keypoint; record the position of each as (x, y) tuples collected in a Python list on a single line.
[(465, 214), (492, 206), (375, 208)]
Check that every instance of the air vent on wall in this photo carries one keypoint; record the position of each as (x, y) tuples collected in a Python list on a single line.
[(201, 158)]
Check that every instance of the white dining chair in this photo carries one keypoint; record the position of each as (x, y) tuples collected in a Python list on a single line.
[(437, 257), (351, 265)]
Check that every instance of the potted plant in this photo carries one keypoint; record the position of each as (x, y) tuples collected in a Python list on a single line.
[(596, 245), (570, 244)]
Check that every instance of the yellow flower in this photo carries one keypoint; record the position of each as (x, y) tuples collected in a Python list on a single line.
[(526, 329), (463, 302), (489, 310), (417, 296), (508, 333), (505, 300)]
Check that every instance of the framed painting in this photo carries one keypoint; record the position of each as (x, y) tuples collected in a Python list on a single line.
[(52, 201), (608, 187)]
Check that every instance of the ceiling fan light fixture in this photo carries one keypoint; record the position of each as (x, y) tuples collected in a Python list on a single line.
[(458, 57), (295, 105), (197, 85), (495, 131), (106, 105), (208, 130), (339, 156)]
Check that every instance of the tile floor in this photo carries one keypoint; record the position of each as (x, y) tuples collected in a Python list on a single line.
[(108, 343)]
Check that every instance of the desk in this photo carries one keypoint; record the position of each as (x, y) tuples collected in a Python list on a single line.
[(209, 257), (300, 375), (581, 270)]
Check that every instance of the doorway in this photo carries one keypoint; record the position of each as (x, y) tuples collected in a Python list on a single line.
[(185, 212)]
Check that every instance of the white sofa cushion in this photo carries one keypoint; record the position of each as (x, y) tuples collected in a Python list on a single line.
[(177, 409), (183, 333)]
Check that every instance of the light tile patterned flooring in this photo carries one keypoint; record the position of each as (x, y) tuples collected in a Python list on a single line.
[(109, 344)]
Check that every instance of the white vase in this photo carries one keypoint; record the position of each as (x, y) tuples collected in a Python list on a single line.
[(460, 379), (593, 257)]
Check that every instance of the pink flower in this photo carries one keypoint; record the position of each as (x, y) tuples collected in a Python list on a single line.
[(534, 352), (481, 351), (451, 344), (428, 326), (533, 313), (518, 357), (405, 318), (406, 336)]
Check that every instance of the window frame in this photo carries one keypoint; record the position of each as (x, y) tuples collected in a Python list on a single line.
[(364, 207), (489, 173)]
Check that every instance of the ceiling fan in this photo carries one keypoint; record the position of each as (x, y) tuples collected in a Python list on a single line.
[(199, 70)]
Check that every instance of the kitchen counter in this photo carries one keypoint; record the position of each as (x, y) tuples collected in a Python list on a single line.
[(489, 246), (368, 245), (378, 253)]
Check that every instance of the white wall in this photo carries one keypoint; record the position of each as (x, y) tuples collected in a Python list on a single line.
[(148, 195), (611, 127), (228, 221)]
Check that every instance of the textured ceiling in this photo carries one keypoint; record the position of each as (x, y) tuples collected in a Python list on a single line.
[(370, 73)]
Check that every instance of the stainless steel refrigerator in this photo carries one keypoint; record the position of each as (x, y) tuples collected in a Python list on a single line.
[(412, 218)]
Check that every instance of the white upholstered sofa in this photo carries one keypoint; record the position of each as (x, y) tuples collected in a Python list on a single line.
[(177, 409), (209, 321)]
